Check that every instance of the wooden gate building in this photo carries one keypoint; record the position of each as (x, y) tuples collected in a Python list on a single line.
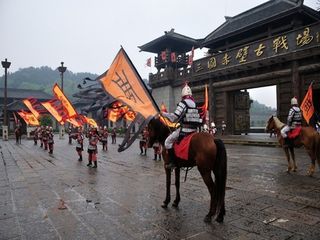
[(274, 44)]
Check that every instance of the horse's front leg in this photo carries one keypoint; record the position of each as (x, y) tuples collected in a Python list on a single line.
[(312, 167), (168, 185), (293, 159), (177, 183), (286, 150)]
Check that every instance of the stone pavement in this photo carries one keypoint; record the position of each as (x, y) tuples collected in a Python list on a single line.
[(121, 199)]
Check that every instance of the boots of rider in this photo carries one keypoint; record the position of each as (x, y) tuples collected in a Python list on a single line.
[(89, 164), (80, 158), (155, 157), (171, 154)]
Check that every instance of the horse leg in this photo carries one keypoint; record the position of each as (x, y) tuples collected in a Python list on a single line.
[(168, 184), (207, 178), (313, 163), (221, 214), (286, 150), (177, 183), (293, 159)]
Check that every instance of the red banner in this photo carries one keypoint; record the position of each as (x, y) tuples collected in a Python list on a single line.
[(149, 62), (191, 56), (55, 107), (34, 106), (69, 109), (307, 107), (29, 118), (173, 57)]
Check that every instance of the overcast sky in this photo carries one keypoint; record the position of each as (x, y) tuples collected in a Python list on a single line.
[(87, 34)]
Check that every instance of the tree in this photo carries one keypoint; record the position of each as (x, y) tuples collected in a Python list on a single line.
[(45, 120)]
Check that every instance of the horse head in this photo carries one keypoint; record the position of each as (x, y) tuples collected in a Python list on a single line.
[(270, 124), (157, 131)]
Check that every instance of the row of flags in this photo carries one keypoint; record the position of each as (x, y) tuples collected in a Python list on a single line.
[(173, 57), (59, 107)]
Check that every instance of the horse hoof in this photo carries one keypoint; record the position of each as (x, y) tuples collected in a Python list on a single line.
[(175, 204), (164, 205), (309, 174), (219, 219), (207, 219)]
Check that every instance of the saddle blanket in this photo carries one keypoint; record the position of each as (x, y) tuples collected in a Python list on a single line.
[(181, 149), (294, 132)]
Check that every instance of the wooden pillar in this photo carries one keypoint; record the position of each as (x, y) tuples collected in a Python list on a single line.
[(296, 81)]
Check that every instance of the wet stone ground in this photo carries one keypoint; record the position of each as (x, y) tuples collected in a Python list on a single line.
[(57, 197)]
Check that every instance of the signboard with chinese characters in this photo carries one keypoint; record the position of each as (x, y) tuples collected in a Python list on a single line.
[(286, 43)]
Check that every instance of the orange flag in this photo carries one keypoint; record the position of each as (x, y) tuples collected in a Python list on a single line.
[(55, 107), (130, 115), (34, 106), (123, 83), (77, 121), (91, 121), (204, 108), (29, 118), (71, 112), (307, 107)]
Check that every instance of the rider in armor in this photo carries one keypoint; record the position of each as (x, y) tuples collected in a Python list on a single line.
[(294, 119), (188, 116)]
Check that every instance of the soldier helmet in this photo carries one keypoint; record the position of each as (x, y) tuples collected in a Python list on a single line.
[(294, 101), (186, 91)]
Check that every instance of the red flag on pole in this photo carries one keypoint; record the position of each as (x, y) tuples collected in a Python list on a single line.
[(307, 105), (173, 57), (191, 56), (148, 62), (163, 55)]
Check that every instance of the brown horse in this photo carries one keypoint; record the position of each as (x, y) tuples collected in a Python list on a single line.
[(308, 137), (205, 152)]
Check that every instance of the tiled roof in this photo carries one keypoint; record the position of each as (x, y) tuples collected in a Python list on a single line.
[(178, 42), (251, 17)]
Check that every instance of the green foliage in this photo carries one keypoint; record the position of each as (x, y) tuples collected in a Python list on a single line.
[(45, 120), (44, 78), (260, 113)]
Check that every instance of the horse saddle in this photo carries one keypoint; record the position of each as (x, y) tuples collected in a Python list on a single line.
[(181, 147), (294, 132)]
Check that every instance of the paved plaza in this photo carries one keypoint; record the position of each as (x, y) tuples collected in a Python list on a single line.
[(57, 197)]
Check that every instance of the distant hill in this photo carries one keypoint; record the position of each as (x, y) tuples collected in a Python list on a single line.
[(260, 113), (44, 78)]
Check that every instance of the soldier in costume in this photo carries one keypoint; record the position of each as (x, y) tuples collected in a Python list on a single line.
[(104, 138), (157, 150), (45, 135), (143, 142), (92, 147), (294, 119), (50, 139), (188, 116), (40, 132), (79, 141)]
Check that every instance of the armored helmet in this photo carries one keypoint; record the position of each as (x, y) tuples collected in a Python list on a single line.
[(186, 91), (294, 101)]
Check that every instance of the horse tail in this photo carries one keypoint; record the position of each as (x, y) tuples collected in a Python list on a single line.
[(220, 173)]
